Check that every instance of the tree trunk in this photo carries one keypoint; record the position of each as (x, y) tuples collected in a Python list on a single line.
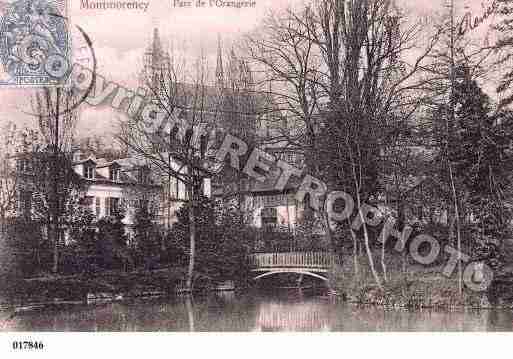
[(449, 162), (329, 233), (355, 253), (367, 247), (55, 199), (3, 224), (192, 238), (383, 265), (458, 227), (357, 185), (401, 223), (55, 266), (240, 200), (384, 240)]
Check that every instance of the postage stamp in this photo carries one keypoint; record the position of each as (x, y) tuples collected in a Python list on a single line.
[(35, 46)]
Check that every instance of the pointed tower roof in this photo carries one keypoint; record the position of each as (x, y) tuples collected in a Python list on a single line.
[(156, 60), (156, 44), (246, 73), (219, 65)]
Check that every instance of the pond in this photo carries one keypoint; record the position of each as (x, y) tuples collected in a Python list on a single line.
[(286, 310)]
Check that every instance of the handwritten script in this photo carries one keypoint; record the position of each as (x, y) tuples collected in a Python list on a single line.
[(469, 23)]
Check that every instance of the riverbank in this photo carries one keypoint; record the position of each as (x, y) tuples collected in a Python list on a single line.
[(98, 287), (412, 286), (404, 287)]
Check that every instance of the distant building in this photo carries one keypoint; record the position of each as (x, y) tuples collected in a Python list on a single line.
[(231, 105), (130, 184), (109, 187)]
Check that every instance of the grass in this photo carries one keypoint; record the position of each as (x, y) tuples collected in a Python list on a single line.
[(411, 286)]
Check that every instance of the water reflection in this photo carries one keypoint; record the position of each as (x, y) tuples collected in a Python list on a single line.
[(279, 316), (289, 311), (190, 312)]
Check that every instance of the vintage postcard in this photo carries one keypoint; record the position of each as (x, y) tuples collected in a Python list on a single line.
[(255, 166)]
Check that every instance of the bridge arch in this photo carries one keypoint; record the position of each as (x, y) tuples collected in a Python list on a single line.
[(266, 274)]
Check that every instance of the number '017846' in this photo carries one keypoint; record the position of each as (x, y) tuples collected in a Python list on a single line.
[(27, 345)]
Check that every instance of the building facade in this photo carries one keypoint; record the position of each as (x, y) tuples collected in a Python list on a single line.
[(107, 188)]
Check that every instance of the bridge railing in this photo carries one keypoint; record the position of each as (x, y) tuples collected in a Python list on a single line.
[(322, 260)]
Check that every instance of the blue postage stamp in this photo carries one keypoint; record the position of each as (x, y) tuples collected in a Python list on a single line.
[(35, 46)]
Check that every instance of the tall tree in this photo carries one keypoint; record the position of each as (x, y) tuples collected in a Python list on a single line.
[(455, 57), (347, 77), (283, 50), (504, 46), (57, 119), (9, 147), (371, 84), (174, 141), (482, 161)]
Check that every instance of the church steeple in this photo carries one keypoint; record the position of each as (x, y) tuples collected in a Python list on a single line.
[(246, 74), (156, 61), (156, 44), (219, 66)]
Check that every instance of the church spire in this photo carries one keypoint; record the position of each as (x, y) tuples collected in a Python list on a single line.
[(156, 62), (157, 45), (219, 65)]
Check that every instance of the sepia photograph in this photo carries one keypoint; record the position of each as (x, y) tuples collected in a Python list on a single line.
[(255, 166)]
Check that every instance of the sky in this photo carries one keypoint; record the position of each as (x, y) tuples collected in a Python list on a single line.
[(120, 38)]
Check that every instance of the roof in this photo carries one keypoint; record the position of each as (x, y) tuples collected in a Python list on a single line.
[(89, 159), (127, 166), (109, 164)]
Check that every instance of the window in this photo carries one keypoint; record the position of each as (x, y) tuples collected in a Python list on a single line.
[(111, 206), (98, 206), (264, 128), (300, 160), (89, 172), (24, 165), (172, 189), (61, 204), (143, 176), (269, 216), (114, 174), (25, 205), (294, 159), (107, 206), (289, 158), (420, 213)]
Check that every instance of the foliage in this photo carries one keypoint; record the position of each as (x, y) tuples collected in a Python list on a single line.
[(222, 242), (147, 237), (504, 43), (23, 253), (67, 186), (112, 252), (8, 178), (484, 162), (97, 246), (477, 142)]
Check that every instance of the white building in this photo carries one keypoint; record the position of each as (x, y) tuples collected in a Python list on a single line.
[(107, 188), (128, 184)]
